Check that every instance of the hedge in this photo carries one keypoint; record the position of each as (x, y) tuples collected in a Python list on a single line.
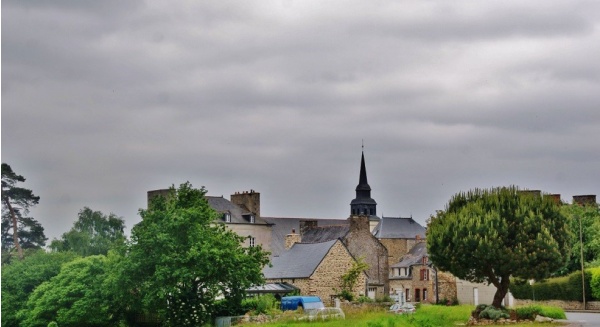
[(566, 288)]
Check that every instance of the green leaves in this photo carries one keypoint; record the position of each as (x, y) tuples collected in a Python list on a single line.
[(185, 261), (490, 235)]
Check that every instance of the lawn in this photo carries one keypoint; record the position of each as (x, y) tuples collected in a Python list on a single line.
[(426, 316)]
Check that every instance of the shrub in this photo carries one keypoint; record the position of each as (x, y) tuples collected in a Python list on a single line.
[(595, 283), (364, 299), (490, 312), (531, 311), (567, 288), (263, 304)]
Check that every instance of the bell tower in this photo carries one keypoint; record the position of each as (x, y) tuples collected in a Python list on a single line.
[(363, 204)]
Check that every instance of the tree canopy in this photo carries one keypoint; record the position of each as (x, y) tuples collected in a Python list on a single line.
[(16, 201), (21, 277), (183, 261), (74, 297), (93, 233), (589, 217), (490, 235)]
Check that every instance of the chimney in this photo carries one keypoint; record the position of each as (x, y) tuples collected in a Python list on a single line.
[(306, 225), (291, 239), (358, 223), (247, 199), (554, 197), (584, 199), (152, 194)]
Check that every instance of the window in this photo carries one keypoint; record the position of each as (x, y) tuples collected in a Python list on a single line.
[(417, 295), (251, 241), (227, 217), (424, 274), (425, 260), (407, 294), (424, 294), (252, 219)]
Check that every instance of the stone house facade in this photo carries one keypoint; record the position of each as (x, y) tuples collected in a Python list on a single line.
[(314, 268), (241, 214)]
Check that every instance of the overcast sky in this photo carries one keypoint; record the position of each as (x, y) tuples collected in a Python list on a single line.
[(105, 100)]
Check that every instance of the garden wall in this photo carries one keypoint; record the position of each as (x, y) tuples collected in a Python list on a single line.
[(566, 305)]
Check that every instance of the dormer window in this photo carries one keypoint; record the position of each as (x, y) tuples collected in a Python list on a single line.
[(252, 219), (425, 260), (227, 217)]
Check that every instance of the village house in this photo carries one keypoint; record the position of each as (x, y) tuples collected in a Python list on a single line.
[(314, 268)]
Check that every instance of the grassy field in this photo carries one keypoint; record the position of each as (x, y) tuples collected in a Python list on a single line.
[(426, 316)]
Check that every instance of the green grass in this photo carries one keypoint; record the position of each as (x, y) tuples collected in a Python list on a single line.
[(426, 316)]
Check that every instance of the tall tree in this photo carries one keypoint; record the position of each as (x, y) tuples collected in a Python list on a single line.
[(21, 277), (93, 233), (16, 201), (492, 235), (589, 217), (183, 261)]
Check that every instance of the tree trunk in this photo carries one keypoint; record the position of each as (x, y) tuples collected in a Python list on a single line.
[(15, 230), (501, 290)]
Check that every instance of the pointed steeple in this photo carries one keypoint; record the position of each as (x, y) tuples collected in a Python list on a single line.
[(363, 204)]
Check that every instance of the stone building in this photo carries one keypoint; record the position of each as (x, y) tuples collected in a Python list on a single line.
[(399, 235), (314, 268), (241, 214), (415, 279)]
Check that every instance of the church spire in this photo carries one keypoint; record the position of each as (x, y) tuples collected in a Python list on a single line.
[(363, 204)]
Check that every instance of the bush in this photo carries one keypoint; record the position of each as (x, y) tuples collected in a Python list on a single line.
[(364, 299), (567, 288), (263, 304), (494, 314), (595, 283), (531, 311)]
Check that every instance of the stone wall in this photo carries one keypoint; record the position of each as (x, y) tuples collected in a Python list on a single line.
[(447, 286), (325, 282), (362, 244), (397, 247), (261, 233)]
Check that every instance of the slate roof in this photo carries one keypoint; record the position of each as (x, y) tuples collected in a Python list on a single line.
[(397, 227), (414, 256), (283, 226), (272, 288), (222, 205), (300, 261), (325, 233)]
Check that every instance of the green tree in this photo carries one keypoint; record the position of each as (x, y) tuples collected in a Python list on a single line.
[(21, 277), (183, 261), (589, 216), (492, 235), (16, 202), (93, 233), (74, 297)]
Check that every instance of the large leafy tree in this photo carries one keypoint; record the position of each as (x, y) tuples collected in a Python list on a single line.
[(491, 235), (93, 233), (183, 261), (16, 201), (589, 217), (21, 277), (77, 296)]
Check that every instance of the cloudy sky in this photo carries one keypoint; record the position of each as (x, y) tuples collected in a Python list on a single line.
[(105, 100)]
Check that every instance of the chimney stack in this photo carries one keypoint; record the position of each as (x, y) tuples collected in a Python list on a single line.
[(554, 197), (291, 239), (584, 199), (247, 199)]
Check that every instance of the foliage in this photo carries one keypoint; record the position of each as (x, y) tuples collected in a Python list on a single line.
[(182, 261), (490, 235), (595, 282), (589, 217), (74, 297), (21, 277), (365, 299), (16, 201), (349, 279), (566, 288), (531, 311), (93, 233), (493, 313), (262, 304)]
